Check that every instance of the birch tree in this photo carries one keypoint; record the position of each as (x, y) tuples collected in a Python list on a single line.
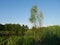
[(33, 15), (40, 18)]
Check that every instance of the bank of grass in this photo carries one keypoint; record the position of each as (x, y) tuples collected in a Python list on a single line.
[(41, 36)]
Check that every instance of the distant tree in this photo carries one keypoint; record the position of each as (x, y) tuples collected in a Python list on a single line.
[(26, 27), (23, 29), (8, 27), (2, 27), (12, 27)]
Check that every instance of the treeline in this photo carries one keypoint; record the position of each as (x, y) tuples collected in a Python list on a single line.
[(13, 29)]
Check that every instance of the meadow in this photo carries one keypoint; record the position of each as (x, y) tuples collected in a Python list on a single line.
[(24, 36)]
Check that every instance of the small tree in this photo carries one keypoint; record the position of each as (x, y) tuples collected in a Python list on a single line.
[(40, 18), (33, 15)]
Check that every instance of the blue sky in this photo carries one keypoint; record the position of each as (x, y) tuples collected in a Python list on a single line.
[(18, 11)]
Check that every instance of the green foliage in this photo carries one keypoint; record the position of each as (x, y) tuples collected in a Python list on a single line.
[(33, 15), (2, 27), (42, 36), (40, 18), (12, 27), (35, 18)]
